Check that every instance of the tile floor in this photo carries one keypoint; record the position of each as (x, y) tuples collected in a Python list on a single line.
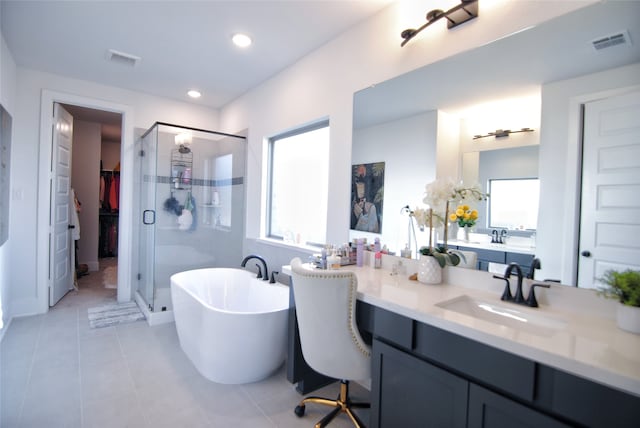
[(58, 372)]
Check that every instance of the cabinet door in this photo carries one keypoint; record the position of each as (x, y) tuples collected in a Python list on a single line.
[(413, 393), (490, 410)]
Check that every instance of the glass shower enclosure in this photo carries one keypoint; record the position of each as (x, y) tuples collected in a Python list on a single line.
[(190, 206)]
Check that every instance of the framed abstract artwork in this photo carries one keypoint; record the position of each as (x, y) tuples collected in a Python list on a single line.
[(367, 196)]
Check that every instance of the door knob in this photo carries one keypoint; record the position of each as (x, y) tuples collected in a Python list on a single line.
[(586, 253)]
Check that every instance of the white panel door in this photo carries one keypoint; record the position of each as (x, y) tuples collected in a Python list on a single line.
[(610, 211), (60, 262)]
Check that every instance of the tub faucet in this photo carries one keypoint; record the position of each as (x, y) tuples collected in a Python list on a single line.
[(263, 274)]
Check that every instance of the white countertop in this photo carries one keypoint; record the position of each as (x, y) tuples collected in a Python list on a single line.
[(508, 248), (589, 345)]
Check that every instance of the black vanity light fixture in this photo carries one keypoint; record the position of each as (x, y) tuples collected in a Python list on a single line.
[(499, 133), (465, 11)]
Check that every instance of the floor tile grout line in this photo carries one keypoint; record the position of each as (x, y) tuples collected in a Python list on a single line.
[(80, 399), (28, 381), (255, 403), (130, 375)]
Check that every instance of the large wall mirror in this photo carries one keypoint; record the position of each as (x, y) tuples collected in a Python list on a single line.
[(5, 172), (423, 123)]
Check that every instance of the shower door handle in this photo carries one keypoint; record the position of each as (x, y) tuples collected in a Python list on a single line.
[(148, 217)]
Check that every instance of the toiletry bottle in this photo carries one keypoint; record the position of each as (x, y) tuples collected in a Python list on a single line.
[(376, 245), (359, 252), (333, 260), (406, 252), (378, 260), (323, 260)]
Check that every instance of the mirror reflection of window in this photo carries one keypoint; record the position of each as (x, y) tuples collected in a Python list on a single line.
[(513, 203)]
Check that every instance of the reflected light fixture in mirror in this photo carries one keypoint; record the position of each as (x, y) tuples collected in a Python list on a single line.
[(509, 113), (500, 133)]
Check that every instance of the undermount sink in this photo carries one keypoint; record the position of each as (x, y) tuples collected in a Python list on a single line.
[(505, 314)]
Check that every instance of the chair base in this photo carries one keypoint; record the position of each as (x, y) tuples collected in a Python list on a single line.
[(342, 404)]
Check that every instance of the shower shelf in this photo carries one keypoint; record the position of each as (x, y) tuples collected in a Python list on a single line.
[(181, 170)]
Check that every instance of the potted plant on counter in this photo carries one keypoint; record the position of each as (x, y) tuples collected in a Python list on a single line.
[(432, 260), (439, 194), (624, 286)]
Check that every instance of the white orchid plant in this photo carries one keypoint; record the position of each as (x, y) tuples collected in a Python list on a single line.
[(439, 194)]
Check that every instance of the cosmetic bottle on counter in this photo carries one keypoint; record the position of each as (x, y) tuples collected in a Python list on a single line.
[(406, 252), (359, 252), (323, 258), (333, 261)]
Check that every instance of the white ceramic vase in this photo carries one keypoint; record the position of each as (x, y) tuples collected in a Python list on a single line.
[(628, 318), (429, 270), (462, 233)]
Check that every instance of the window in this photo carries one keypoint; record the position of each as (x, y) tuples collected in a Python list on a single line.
[(298, 185), (513, 203)]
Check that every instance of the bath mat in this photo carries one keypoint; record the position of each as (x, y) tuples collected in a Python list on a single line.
[(110, 277), (113, 314)]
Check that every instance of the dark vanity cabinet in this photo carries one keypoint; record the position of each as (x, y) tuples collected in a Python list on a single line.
[(490, 410), (423, 376), (496, 256), (414, 393)]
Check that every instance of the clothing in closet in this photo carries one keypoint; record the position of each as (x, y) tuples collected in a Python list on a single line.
[(109, 206), (109, 191)]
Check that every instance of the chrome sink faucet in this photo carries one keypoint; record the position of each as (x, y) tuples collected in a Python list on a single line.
[(261, 275), (531, 300)]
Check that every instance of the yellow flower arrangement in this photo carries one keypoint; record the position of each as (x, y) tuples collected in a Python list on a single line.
[(464, 216)]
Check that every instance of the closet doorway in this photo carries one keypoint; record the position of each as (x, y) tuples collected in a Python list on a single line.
[(95, 180)]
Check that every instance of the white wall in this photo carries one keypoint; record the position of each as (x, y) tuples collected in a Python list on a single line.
[(28, 260), (323, 83), (8, 72), (85, 176), (405, 175), (110, 154), (559, 163)]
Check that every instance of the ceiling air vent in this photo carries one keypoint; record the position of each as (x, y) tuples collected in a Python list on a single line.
[(122, 58), (619, 38)]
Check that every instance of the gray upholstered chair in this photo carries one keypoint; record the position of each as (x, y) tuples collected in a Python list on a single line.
[(331, 344)]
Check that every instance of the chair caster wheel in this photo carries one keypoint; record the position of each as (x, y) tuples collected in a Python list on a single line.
[(299, 411)]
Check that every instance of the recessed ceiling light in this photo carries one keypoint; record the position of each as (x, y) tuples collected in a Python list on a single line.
[(241, 40), (194, 94)]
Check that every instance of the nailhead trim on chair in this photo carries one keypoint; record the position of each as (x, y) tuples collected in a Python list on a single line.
[(354, 286), (352, 322)]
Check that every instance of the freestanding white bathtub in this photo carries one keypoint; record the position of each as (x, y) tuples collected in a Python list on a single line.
[(231, 325)]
